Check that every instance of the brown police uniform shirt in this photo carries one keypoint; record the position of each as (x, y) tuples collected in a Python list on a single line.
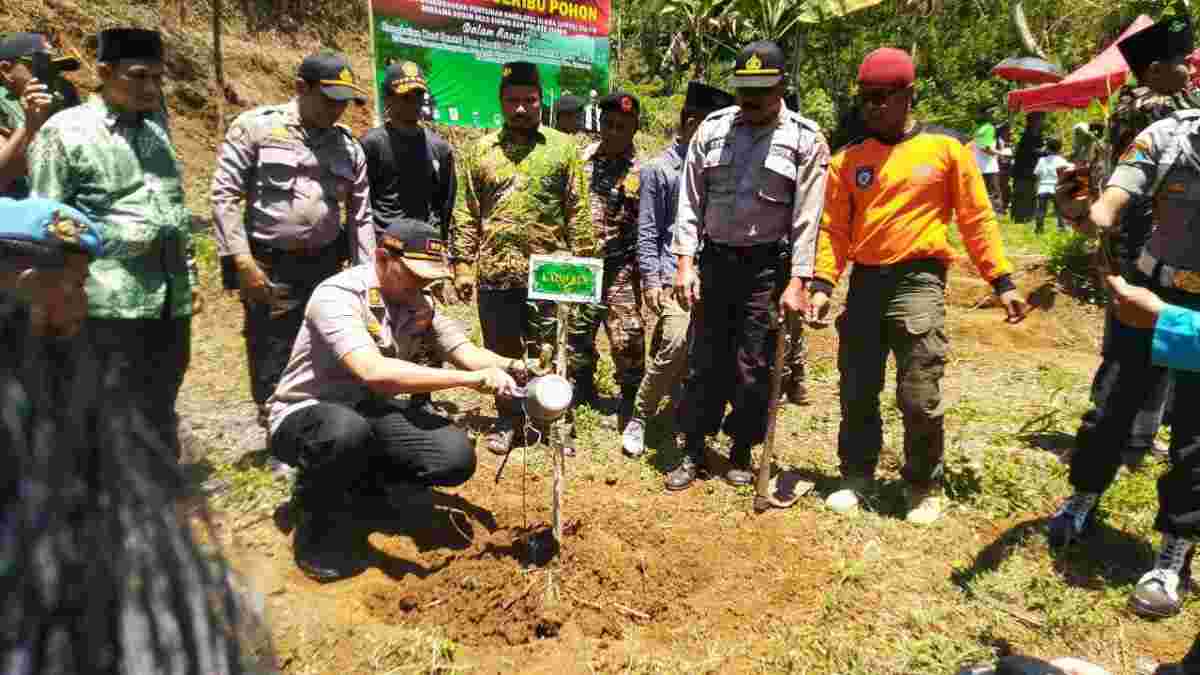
[(284, 185), (347, 313)]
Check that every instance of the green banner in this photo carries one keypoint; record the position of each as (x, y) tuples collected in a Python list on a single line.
[(565, 279), (462, 44)]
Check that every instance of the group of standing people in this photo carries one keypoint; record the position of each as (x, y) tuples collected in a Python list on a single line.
[(747, 218)]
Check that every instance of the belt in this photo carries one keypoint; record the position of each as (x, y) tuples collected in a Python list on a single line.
[(1168, 276), (934, 265)]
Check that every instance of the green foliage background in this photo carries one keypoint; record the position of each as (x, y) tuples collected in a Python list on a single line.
[(956, 43)]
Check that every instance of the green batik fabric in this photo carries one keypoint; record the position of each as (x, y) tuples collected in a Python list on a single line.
[(518, 200), (125, 175), (12, 116)]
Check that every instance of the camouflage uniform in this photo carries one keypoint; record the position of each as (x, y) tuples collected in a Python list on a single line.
[(125, 175), (518, 200), (613, 186), (1136, 109)]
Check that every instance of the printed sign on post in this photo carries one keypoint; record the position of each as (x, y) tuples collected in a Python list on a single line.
[(565, 279)]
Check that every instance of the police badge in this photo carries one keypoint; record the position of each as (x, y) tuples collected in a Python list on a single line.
[(864, 176)]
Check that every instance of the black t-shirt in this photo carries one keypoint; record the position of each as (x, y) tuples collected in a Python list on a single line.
[(411, 175)]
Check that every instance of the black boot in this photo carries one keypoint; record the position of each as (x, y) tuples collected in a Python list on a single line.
[(739, 472), (324, 548), (626, 408), (692, 466)]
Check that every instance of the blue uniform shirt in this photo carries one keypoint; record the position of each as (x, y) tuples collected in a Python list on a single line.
[(1177, 339), (659, 201)]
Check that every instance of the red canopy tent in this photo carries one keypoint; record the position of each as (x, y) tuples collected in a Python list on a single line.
[(1099, 78)]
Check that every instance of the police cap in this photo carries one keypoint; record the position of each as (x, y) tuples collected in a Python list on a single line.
[(116, 44), (332, 72), (759, 64), (417, 244), (520, 73), (1166, 40), (401, 78), (700, 96)]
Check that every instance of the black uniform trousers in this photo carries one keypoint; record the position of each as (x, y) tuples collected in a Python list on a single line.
[(145, 359), (898, 309), (339, 449), (270, 328), (1097, 456), (734, 329)]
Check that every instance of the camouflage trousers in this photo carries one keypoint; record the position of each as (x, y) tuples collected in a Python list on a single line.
[(621, 313), (668, 357)]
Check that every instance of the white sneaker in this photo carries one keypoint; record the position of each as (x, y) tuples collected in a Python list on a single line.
[(925, 505), (633, 438), (848, 497)]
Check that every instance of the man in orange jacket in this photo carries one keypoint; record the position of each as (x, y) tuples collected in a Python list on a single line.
[(888, 204)]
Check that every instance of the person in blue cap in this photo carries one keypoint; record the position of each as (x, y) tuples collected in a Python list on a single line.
[(45, 248)]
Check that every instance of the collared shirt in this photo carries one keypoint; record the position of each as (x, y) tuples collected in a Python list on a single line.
[(888, 204), (1152, 162), (412, 175), (125, 176), (283, 184), (744, 185), (348, 312), (1176, 342), (656, 216), (613, 193), (12, 117), (518, 200)]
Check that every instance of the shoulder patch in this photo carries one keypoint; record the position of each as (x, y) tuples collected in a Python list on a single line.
[(864, 176), (374, 298)]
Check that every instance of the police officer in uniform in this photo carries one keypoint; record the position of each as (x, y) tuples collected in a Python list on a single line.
[(283, 175), (752, 191), (1162, 166), (1156, 56), (657, 205), (338, 414)]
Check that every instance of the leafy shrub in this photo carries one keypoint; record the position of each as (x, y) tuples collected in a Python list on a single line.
[(1070, 258)]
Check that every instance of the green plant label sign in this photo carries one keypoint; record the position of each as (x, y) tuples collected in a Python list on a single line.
[(565, 279)]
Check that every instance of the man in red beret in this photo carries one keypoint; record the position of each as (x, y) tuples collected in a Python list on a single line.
[(889, 202)]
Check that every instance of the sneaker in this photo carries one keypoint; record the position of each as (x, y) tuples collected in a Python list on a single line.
[(1073, 520), (739, 473), (848, 497), (633, 439), (797, 393), (1159, 593), (925, 504), (682, 477)]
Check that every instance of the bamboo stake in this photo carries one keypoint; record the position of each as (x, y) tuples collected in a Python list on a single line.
[(560, 367)]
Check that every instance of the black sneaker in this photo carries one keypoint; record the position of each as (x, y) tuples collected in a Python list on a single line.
[(1071, 523), (739, 473)]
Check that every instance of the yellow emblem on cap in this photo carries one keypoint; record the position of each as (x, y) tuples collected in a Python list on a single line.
[(346, 76), (507, 72), (65, 229), (410, 69), (753, 63)]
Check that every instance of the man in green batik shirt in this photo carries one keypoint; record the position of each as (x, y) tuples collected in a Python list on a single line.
[(112, 158), (522, 192)]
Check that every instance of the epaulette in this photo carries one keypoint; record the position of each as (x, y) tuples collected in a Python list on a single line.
[(722, 112), (1184, 115), (804, 121)]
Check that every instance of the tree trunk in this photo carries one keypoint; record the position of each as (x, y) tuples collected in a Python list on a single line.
[(218, 66)]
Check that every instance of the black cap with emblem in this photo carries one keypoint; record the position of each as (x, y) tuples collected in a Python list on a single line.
[(1167, 40), (700, 96), (759, 64), (332, 71), (404, 77), (139, 44), (519, 73), (620, 101), (417, 244)]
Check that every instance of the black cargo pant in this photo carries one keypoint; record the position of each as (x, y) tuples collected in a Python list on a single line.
[(339, 448), (899, 309), (147, 360), (515, 326), (270, 328), (1098, 452), (734, 329)]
